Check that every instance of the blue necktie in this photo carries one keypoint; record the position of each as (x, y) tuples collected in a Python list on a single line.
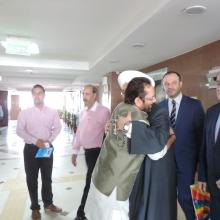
[(173, 114)]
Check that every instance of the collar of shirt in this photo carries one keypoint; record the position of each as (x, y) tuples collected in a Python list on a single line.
[(93, 108), (40, 109), (177, 99)]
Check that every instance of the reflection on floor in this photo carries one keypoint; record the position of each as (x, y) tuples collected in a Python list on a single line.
[(68, 181)]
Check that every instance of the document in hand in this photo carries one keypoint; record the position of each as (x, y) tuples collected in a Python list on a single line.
[(44, 152), (201, 202)]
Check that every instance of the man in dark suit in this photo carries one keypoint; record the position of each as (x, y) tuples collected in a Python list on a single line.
[(209, 170), (186, 118)]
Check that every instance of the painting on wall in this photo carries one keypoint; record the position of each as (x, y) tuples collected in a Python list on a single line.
[(212, 76)]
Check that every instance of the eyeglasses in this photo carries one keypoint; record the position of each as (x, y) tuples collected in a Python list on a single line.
[(150, 99)]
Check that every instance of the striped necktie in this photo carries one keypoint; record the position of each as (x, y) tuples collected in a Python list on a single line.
[(173, 114)]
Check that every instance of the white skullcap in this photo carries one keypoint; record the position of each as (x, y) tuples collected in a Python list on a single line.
[(128, 75)]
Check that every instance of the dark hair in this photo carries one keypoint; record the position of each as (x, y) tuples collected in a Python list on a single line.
[(38, 86), (135, 89), (173, 72), (94, 88)]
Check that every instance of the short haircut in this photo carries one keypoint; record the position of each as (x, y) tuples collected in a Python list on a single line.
[(135, 89), (173, 72), (94, 88), (38, 86)]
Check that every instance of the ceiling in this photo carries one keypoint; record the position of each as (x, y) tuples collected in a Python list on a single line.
[(82, 40)]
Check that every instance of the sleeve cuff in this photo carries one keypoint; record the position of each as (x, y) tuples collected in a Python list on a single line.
[(34, 141), (158, 155), (75, 151)]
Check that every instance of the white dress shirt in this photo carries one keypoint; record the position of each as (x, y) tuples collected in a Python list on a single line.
[(217, 127)]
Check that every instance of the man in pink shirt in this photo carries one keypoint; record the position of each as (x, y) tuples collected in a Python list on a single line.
[(39, 126), (89, 135)]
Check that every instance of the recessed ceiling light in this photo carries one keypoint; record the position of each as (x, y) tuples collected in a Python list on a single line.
[(29, 71), (114, 61), (140, 44), (194, 10)]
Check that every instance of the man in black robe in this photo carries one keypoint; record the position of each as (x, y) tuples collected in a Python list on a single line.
[(154, 193)]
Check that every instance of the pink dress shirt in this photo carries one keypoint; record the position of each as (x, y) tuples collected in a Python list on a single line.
[(91, 128), (34, 123)]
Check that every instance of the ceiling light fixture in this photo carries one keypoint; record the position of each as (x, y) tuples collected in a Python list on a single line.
[(29, 71), (20, 46), (194, 10), (114, 61), (137, 45)]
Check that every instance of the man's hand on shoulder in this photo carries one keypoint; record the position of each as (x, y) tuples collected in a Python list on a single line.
[(74, 156), (123, 120)]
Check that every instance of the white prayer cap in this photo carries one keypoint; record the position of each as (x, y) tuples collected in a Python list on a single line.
[(128, 75)]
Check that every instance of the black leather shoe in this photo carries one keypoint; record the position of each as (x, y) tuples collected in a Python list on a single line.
[(80, 218)]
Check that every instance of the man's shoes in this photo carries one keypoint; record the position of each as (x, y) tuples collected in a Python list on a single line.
[(52, 208), (36, 214), (81, 218)]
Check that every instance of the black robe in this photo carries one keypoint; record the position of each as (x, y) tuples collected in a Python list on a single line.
[(154, 194)]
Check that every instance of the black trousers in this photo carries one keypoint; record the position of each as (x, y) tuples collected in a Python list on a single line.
[(32, 166), (91, 156)]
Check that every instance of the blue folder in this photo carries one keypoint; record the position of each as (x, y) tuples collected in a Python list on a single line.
[(44, 152)]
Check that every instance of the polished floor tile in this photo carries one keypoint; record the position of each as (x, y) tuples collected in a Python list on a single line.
[(68, 181)]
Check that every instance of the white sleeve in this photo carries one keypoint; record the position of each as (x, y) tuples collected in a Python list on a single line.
[(129, 131), (158, 155)]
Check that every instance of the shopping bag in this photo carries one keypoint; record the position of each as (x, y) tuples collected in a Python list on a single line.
[(201, 203)]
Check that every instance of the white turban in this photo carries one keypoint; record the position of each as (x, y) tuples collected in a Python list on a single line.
[(128, 75)]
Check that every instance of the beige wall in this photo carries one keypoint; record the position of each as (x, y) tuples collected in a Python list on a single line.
[(15, 109)]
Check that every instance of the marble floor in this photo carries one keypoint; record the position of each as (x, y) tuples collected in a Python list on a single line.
[(68, 181)]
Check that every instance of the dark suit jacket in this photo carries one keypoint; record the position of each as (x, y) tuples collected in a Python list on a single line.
[(188, 130), (155, 137), (210, 153)]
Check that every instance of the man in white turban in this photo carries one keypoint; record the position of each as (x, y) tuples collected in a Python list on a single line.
[(126, 76), (156, 180)]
